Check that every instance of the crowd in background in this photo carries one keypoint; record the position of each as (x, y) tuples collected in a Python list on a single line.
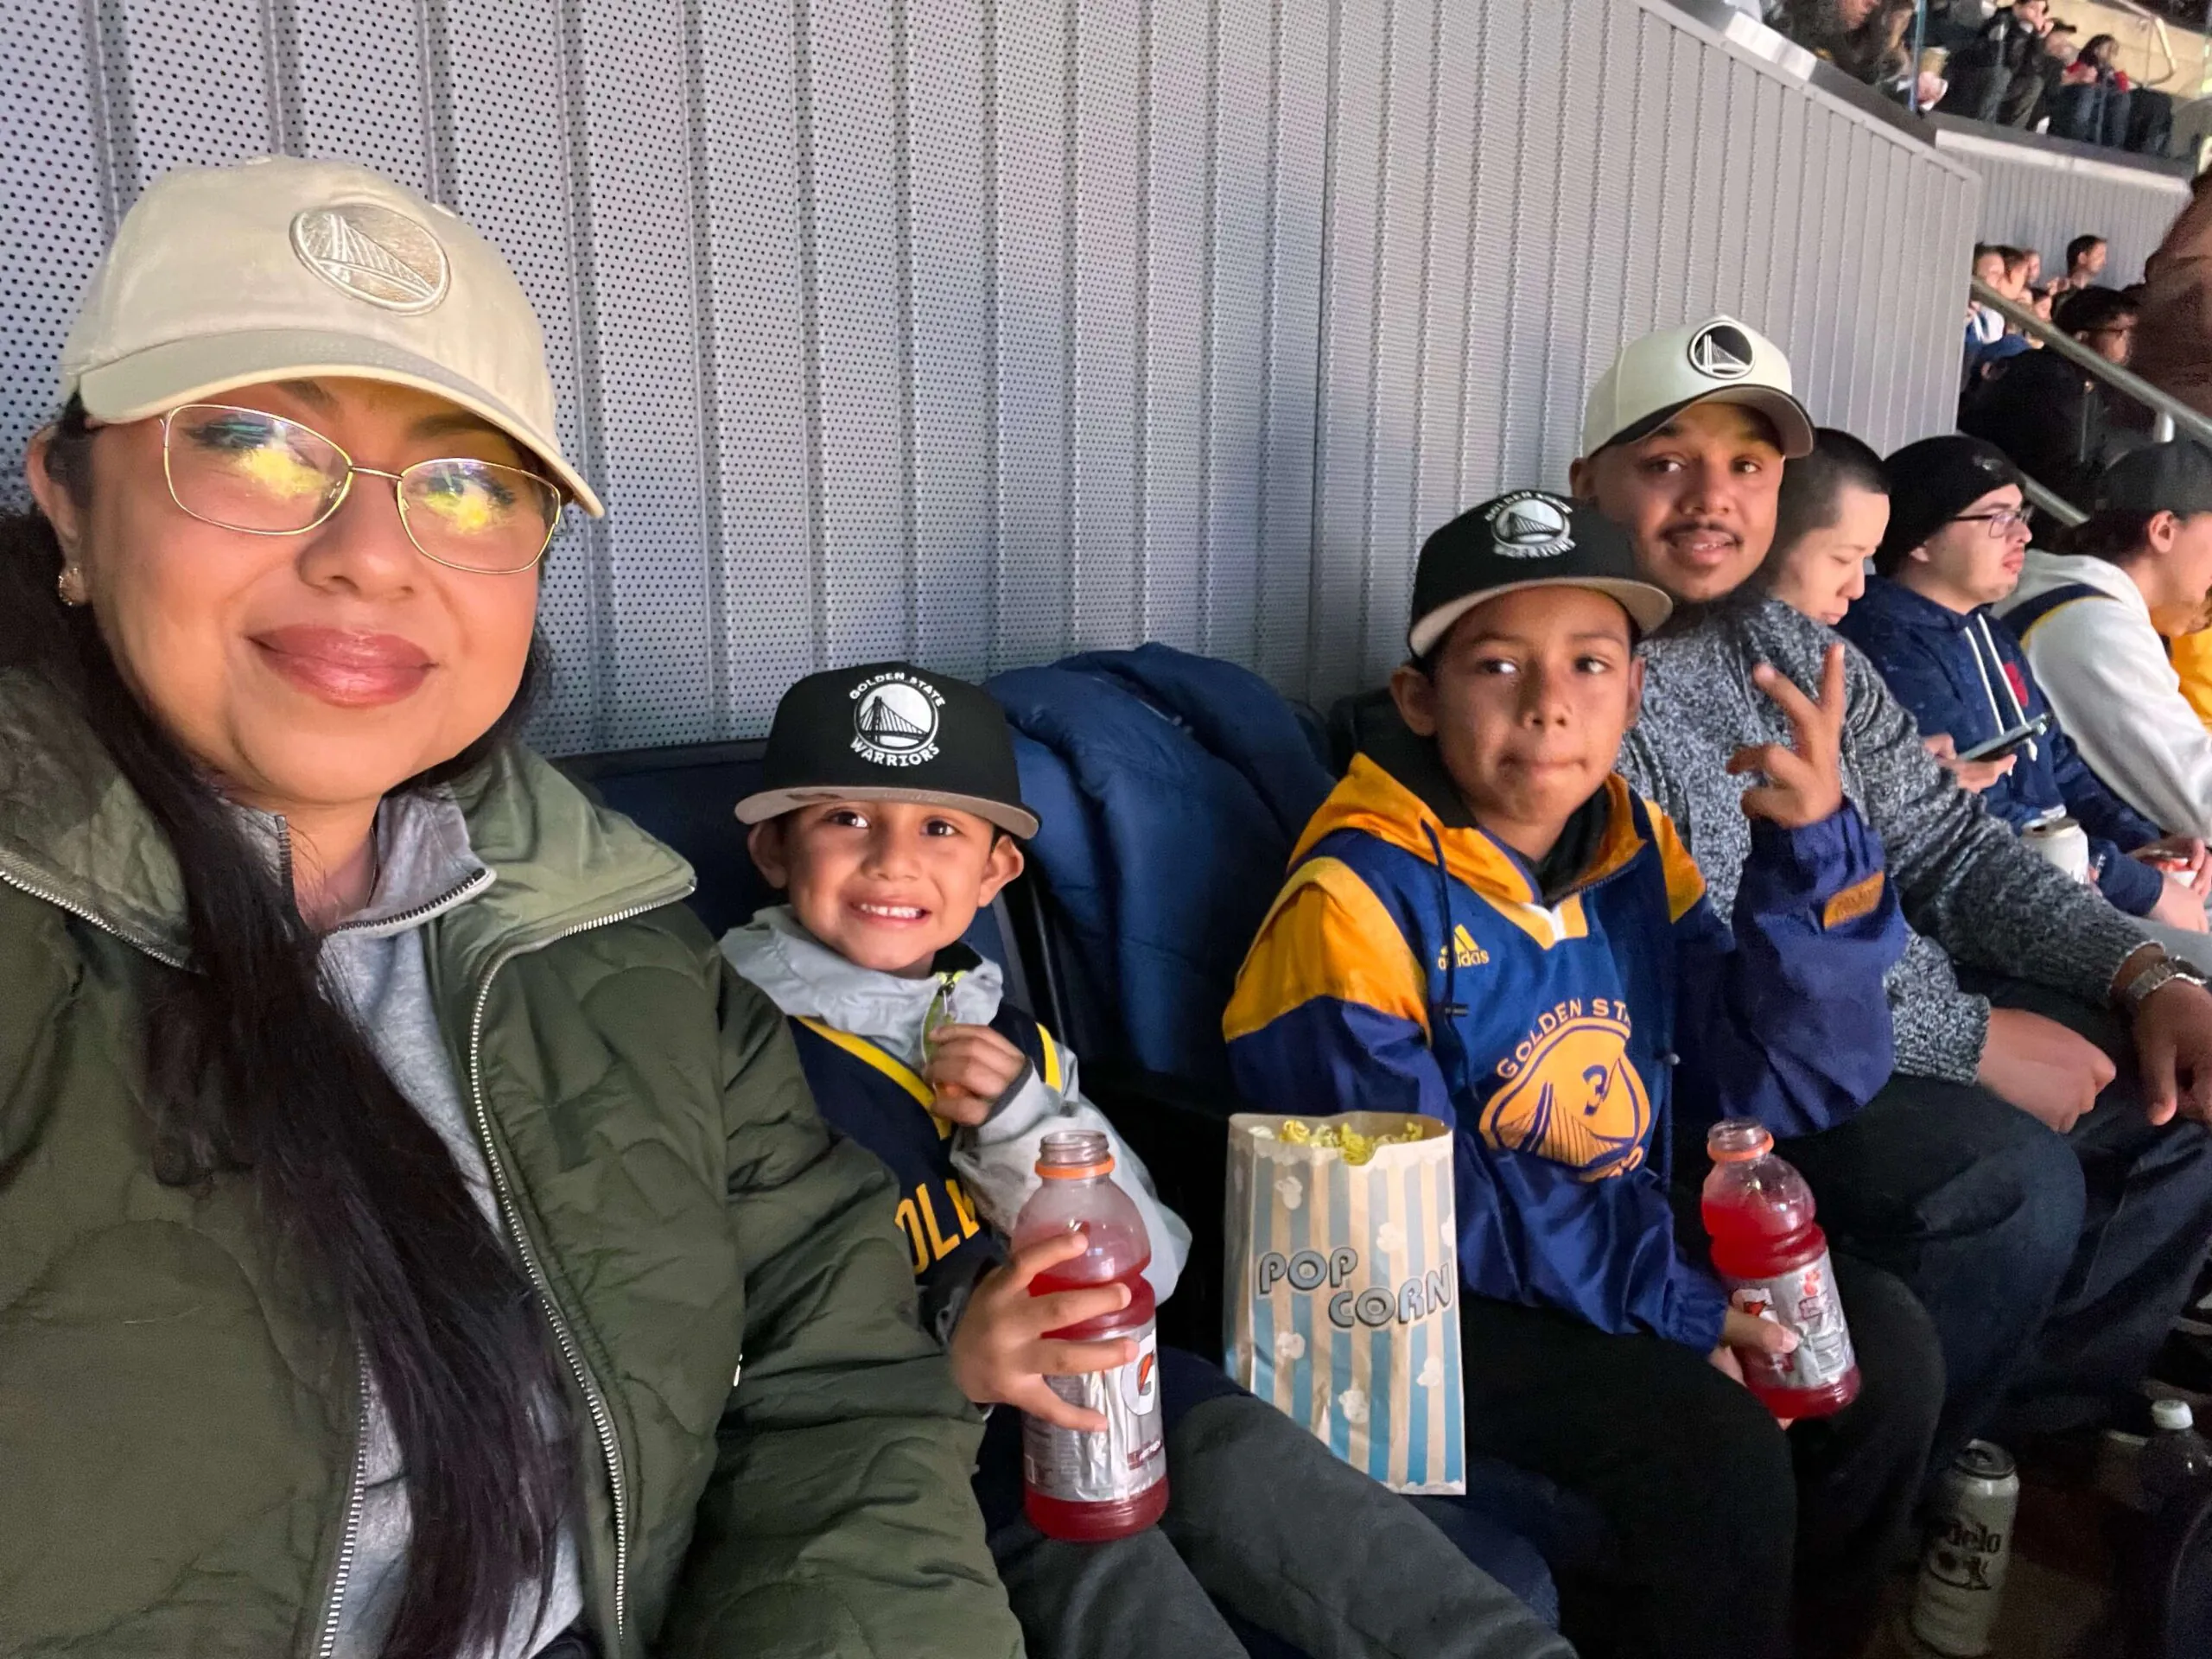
[(2017, 66)]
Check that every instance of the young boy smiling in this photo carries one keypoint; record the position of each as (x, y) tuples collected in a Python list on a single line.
[(1484, 924), (890, 814)]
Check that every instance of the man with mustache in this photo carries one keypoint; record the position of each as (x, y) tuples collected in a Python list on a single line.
[(2049, 1207)]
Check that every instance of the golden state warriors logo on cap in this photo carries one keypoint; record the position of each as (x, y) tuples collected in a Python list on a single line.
[(374, 254), (1571, 1093), (895, 718), (1528, 525), (1721, 351)]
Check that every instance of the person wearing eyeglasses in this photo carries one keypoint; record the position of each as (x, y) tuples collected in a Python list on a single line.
[(2051, 417), (418, 1240), (1956, 542), (2093, 620)]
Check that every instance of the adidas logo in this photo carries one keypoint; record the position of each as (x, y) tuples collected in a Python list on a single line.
[(1465, 952)]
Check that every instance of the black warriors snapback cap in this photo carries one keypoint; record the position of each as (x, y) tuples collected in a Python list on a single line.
[(890, 732)]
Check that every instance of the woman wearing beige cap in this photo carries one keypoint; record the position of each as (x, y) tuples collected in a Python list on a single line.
[(413, 1240)]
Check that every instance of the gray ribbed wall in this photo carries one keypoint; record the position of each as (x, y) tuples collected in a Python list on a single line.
[(986, 329), (2042, 199)]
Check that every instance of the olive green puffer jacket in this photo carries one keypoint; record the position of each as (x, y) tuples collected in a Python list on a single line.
[(775, 1461)]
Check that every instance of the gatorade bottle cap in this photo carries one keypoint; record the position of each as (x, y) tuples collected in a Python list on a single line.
[(1075, 1156), (1738, 1140), (2172, 1415)]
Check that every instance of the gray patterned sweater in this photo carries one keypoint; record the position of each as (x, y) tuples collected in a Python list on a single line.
[(1970, 889)]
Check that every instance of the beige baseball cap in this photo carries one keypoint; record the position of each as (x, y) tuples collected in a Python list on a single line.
[(282, 268), (1718, 361)]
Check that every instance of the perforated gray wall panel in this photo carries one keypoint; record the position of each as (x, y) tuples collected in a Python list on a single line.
[(2042, 200), (984, 330)]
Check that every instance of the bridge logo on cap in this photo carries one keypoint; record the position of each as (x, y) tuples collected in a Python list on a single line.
[(1528, 525), (895, 721), (1721, 351), (374, 254)]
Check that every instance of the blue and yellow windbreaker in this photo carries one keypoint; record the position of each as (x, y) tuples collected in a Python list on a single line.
[(1410, 964)]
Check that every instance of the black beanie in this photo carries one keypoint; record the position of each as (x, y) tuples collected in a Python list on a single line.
[(1931, 482)]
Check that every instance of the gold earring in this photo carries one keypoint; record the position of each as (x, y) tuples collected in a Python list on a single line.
[(66, 583)]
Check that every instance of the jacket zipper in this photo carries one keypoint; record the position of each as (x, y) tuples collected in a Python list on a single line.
[(421, 913), (356, 1483), (601, 1417), (23, 884)]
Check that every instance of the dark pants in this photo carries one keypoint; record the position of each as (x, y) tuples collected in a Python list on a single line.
[(2077, 112), (1269, 1545), (2052, 1265), (1717, 1512)]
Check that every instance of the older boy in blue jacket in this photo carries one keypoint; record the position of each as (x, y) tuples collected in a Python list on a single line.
[(1485, 924), (1954, 547)]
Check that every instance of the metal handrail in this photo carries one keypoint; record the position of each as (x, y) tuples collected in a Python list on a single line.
[(2049, 500), (2184, 418)]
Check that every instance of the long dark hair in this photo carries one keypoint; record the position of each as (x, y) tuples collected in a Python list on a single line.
[(253, 1066)]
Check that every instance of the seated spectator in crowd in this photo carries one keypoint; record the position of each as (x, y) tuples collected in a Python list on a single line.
[(2090, 104), (1956, 540), (2010, 46), (2085, 261), (1866, 39), (2094, 618), (2052, 1278), (1828, 520), (1599, 1351), (2051, 416), (1985, 324), (911, 1050)]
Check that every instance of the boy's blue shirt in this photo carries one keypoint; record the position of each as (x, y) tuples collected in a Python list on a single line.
[(1410, 964), (1938, 662)]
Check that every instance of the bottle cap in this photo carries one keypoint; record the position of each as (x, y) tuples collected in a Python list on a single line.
[(2172, 1415), (1075, 1156), (1738, 1140)]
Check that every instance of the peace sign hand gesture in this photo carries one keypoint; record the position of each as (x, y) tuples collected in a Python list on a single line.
[(1804, 782)]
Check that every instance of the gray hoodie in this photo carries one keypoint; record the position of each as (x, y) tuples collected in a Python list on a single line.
[(1970, 888), (997, 1161)]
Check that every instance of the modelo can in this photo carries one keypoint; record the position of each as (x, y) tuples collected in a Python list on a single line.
[(1969, 1541)]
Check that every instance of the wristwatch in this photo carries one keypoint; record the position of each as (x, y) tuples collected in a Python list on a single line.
[(2159, 974)]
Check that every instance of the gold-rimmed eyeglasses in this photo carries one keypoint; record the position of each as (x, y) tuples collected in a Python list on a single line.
[(247, 470)]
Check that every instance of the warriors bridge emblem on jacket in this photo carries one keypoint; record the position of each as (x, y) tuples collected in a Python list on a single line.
[(1571, 1094)]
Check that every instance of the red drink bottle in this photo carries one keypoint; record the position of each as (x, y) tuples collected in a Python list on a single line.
[(1087, 1486), (1774, 1260)]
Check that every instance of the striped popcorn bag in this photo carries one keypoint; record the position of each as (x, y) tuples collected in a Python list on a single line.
[(1342, 1303)]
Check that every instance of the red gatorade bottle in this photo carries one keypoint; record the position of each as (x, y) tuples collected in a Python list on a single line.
[(1089, 1486), (1774, 1260)]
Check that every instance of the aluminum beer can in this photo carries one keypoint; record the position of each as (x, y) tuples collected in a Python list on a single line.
[(2062, 843), (1969, 1542)]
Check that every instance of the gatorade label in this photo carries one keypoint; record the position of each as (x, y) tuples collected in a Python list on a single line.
[(1107, 1465), (1804, 1300)]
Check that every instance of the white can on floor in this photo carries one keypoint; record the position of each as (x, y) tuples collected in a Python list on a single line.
[(1969, 1544)]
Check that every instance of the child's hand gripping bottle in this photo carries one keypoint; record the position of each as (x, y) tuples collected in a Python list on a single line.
[(1108, 1483), (1774, 1260)]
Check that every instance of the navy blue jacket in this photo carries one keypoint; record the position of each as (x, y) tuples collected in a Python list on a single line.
[(1172, 789), (1966, 676)]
